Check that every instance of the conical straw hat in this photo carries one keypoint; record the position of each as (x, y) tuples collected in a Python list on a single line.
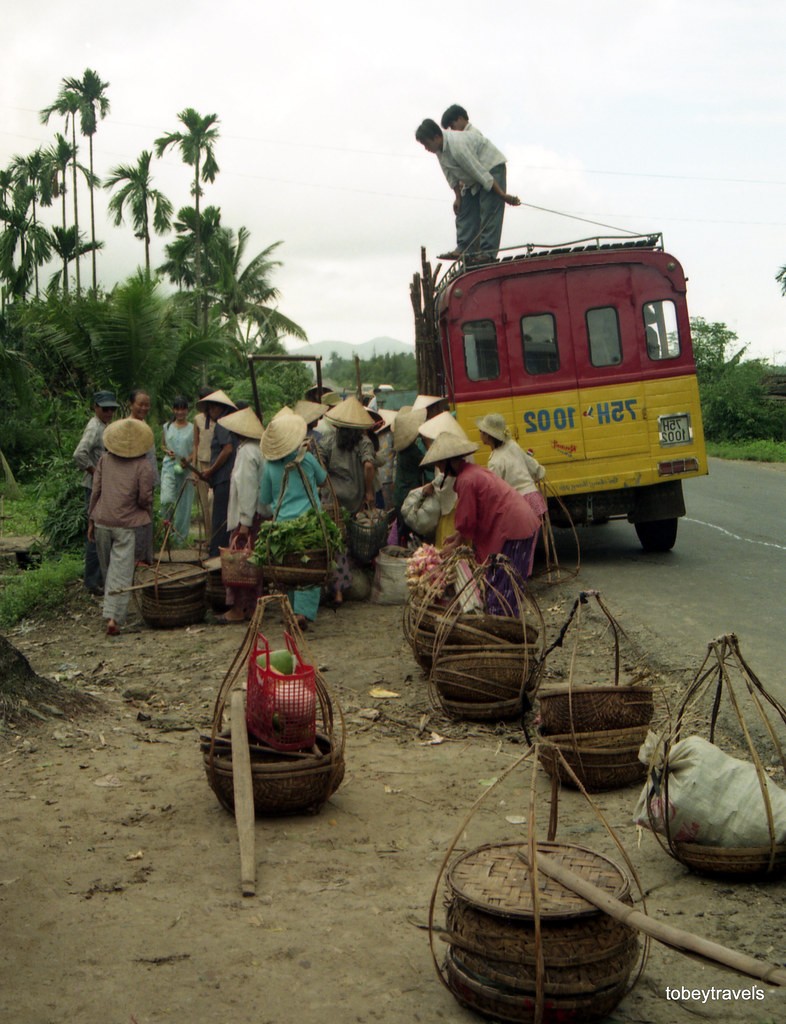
[(219, 398), (310, 411), (244, 422), (405, 429), (350, 413), (424, 401), (444, 423), (448, 446), (128, 438), (285, 433)]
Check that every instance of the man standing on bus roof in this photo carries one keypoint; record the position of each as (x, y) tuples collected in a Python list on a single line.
[(475, 170)]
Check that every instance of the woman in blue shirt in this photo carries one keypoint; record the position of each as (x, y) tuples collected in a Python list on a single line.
[(287, 494)]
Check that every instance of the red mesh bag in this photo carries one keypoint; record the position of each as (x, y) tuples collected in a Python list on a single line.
[(281, 706)]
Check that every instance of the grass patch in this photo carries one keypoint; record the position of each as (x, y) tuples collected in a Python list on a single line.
[(38, 590), (749, 451), (21, 516)]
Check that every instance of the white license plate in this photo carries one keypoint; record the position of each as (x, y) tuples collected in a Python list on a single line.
[(674, 429)]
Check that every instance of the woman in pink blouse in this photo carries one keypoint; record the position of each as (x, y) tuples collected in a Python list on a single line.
[(490, 515)]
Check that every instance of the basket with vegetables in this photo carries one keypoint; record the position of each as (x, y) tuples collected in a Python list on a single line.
[(297, 552)]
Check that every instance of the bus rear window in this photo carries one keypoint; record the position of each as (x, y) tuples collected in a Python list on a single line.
[(603, 334), (661, 331), (539, 343), (480, 350)]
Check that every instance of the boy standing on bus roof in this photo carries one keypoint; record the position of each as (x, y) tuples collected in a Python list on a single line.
[(475, 170)]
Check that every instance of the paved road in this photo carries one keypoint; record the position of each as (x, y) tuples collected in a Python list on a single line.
[(726, 574)]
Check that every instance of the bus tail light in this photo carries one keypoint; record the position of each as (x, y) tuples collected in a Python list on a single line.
[(678, 466)]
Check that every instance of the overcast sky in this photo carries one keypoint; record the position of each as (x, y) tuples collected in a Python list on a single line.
[(661, 117)]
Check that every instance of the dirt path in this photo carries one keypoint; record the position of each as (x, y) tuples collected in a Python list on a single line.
[(119, 871)]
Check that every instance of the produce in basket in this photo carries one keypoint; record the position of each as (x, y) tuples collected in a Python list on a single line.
[(311, 531), (426, 572)]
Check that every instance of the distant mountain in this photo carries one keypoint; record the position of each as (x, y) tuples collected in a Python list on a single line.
[(380, 346)]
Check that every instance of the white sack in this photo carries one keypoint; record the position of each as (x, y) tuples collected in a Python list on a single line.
[(714, 799)]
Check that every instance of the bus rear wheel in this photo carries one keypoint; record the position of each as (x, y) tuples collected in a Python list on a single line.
[(658, 534)]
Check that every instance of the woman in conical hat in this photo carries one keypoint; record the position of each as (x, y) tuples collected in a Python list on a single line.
[(285, 440), (490, 515), (515, 466), (245, 510), (218, 474), (121, 501), (347, 454)]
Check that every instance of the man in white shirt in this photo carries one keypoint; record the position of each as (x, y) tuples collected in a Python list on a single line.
[(86, 456), (475, 170)]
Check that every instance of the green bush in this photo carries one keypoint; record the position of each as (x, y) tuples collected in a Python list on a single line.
[(62, 503), (38, 590), (749, 451)]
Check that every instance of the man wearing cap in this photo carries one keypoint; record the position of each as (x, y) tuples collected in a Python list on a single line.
[(86, 456)]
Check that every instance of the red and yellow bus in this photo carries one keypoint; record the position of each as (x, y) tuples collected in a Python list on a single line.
[(585, 348)]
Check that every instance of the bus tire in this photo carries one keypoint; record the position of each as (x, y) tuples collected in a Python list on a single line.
[(658, 534)]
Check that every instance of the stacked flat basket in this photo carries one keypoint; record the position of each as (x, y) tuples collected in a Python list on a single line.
[(590, 735), (172, 595), (480, 666), (597, 732), (508, 952)]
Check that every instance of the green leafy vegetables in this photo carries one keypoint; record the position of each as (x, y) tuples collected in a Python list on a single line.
[(309, 532)]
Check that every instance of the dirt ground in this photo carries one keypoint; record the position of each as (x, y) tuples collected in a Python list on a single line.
[(119, 870)]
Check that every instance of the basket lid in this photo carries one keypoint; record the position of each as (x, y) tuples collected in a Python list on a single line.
[(169, 575), (492, 878)]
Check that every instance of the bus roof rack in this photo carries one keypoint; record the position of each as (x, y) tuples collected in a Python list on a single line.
[(533, 250)]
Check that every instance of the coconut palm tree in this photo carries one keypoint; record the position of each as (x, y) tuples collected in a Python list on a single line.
[(34, 170), (68, 104), (245, 295), (24, 243), (196, 148), (137, 193), (65, 247), (93, 104), (135, 333)]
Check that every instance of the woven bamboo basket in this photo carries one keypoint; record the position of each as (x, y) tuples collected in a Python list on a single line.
[(589, 708), (215, 591), (283, 782), (480, 676), (600, 761), (366, 534), (172, 596), (309, 569), (492, 960), (281, 785), (725, 671), (496, 711), (472, 630), (732, 862)]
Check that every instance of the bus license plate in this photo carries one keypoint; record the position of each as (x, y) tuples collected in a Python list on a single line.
[(674, 429)]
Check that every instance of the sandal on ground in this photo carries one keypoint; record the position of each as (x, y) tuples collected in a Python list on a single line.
[(112, 628)]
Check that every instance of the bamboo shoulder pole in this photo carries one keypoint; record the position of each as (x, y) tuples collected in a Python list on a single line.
[(243, 792), (675, 937)]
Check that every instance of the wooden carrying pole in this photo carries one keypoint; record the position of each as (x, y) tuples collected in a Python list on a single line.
[(678, 939), (244, 793)]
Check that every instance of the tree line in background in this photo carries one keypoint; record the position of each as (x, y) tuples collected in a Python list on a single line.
[(168, 329), (399, 370), (739, 397)]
